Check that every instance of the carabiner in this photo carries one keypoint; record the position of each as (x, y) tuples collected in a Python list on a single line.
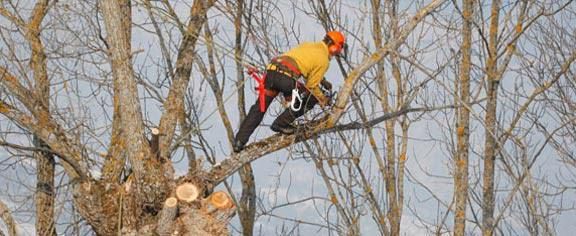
[(295, 96)]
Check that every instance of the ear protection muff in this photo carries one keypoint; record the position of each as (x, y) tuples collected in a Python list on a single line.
[(333, 48)]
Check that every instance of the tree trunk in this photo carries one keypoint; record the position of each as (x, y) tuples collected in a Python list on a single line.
[(45, 163), (247, 204), (45, 193), (383, 89), (394, 215), (117, 154), (462, 125), (490, 146), (238, 51)]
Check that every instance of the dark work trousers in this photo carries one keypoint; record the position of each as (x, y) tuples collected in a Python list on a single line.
[(288, 116), (283, 84)]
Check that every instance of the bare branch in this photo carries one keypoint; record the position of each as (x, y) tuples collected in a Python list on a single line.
[(370, 61), (8, 220), (54, 137), (184, 64), (276, 142)]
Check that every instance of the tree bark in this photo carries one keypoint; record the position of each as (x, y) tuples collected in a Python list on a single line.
[(149, 182), (8, 220), (125, 91), (490, 146), (247, 208), (45, 192), (462, 124), (184, 63), (382, 87), (117, 154), (238, 51), (391, 178), (167, 216), (45, 163)]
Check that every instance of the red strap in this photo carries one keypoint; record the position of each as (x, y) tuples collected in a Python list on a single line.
[(260, 79), (289, 65)]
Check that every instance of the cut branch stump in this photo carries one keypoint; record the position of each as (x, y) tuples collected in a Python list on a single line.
[(167, 217), (187, 192)]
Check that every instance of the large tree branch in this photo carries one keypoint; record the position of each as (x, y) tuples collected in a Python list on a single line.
[(276, 142), (21, 93), (55, 137), (149, 175), (8, 220), (116, 156), (25, 148), (38, 13), (45, 163), (461, 156), (184, 63), (11, 17), (48, 130), (125, 91)]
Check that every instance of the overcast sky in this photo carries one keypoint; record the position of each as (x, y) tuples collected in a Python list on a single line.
[(279, 177)]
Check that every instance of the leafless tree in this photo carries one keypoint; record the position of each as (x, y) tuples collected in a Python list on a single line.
[(116, 104)]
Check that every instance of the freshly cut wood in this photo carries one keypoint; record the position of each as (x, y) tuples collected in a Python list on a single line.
[(155, 131), (167, 216), (187, 192), (154, 142), (171, 202), (220, 200)]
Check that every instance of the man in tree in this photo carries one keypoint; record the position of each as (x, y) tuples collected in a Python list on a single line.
[(309, 60)]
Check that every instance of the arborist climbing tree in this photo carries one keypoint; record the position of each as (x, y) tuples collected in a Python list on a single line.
[(299, 75)]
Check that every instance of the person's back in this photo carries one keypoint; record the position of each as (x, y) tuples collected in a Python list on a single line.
[(309, 55), (313, 59)]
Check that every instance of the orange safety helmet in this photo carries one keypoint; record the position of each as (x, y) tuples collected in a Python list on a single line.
[(335, 41)]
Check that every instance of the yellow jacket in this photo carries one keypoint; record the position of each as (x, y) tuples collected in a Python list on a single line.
[(313, 60)]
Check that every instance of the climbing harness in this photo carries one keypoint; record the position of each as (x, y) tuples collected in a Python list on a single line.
[(282, 65), (260, 79)]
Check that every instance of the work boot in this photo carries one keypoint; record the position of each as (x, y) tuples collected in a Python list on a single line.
[(289, 129), (237, 146)]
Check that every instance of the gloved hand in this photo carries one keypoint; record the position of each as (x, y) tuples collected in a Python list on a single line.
[(324, 102), (326, 84), (330, 98)]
